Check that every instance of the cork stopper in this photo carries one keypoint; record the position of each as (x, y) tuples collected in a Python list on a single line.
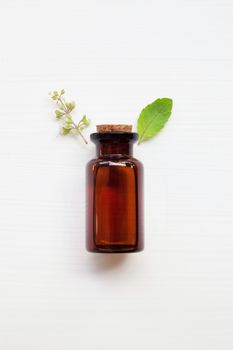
[(114, 127)]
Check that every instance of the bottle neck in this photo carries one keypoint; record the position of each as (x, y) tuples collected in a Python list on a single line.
[(114, 144), (105, 149)]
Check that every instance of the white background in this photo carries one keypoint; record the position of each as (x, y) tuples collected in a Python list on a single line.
[(113, 58)]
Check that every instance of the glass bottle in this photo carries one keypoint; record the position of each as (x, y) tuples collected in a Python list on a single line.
[(114, 193)]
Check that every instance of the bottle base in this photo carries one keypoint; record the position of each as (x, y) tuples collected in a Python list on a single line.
[(115, 249)]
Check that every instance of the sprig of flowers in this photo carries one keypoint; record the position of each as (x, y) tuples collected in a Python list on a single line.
[(63, 113)]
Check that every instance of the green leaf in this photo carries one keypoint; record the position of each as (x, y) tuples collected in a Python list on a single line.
[(85, 121), (153, 118), (54, 95), (60, 105), (70, 105), (65, 130), (59, 114), (68, 119), (62, 92)]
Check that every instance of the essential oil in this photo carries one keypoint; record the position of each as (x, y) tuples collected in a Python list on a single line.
[(114, 193)]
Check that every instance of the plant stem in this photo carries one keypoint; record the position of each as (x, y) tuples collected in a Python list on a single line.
[(77, 128), (59, 99), (82, 136)]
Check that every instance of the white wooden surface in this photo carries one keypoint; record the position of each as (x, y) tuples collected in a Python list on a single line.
[(114, 57)]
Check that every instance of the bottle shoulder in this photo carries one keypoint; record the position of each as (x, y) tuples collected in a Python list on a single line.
[(114, 161), (138, 162)]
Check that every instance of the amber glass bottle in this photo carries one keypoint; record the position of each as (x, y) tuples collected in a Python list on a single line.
[(114, 193)]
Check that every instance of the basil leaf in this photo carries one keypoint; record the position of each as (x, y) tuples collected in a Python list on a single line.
[(153, 118)]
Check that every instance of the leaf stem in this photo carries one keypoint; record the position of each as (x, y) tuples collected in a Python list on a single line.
[(82, 136), (59, 99), (77, 127)]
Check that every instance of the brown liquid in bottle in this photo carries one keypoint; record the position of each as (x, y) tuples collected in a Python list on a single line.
[(114, 195)]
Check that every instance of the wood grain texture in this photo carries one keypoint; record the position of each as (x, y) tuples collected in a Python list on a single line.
[(113, 58)]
